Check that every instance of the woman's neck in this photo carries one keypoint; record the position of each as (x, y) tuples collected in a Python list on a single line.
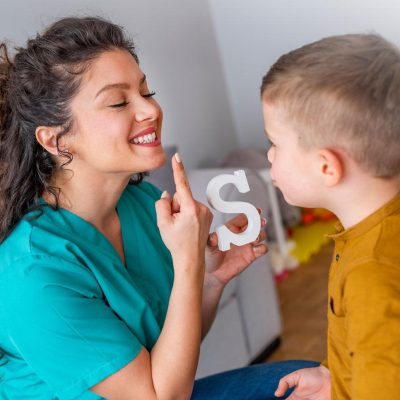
[(92, 198)]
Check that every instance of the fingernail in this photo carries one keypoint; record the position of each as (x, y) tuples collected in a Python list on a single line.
[(164, 194), (177, 158), (263, 221)]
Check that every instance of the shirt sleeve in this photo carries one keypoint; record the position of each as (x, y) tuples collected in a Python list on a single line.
[(61, 325), (372, 307)]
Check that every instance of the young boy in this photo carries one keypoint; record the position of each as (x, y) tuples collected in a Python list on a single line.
[(332, 114)]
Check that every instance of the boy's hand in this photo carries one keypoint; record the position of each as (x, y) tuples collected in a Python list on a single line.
[(311, 384)]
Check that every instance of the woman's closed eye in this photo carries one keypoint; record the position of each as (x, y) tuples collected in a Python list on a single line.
[(121, 104), (150, 94), (125, 103)]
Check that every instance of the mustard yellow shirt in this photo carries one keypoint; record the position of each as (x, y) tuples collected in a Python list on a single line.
[(364, 308)]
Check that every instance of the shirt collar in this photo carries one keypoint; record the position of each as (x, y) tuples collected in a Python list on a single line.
[(368, 223)]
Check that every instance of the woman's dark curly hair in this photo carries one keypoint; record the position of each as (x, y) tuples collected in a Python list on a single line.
[(36, 89)]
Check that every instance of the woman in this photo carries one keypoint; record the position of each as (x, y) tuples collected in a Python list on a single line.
[(106, 289)]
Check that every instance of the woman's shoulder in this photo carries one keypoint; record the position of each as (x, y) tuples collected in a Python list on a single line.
[(17, 244), (34, 255), (20, 257), (43, 235)]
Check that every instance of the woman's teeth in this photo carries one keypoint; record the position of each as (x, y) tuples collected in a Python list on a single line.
[(150, 138)]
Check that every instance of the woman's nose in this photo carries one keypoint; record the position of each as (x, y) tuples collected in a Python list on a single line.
[(147, 109)]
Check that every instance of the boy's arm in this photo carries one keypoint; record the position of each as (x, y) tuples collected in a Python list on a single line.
[(372, 306)]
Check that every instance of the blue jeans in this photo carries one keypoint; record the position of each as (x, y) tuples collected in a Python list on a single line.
[(257, 382)]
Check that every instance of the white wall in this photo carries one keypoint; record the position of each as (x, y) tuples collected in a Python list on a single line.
[(205, 59), (251, 35), (178, 52)]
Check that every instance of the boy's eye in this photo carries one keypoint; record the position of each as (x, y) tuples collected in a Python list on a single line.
[(122, 104), (151, 94)]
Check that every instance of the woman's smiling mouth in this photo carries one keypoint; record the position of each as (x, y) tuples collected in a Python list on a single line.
[(147, 137)]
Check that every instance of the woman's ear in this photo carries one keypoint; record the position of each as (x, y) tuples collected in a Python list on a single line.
[(47, 138), (331, 167)]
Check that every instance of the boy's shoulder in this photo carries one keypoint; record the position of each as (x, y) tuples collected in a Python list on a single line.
[(374, 258), (370, 251), (388, 242), (381, 243)]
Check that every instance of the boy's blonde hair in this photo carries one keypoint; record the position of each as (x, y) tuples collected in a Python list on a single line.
[(343, 92)]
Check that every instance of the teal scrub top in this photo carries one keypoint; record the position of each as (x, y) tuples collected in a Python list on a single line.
[(71, 313)]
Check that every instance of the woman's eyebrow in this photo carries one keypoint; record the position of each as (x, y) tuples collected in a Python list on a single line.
[(121, 85), (112, 86)]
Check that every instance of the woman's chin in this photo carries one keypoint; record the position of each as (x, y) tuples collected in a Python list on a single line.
[(158, 166), (159, 161)]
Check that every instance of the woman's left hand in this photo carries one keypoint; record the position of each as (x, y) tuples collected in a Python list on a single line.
[(222, 266)]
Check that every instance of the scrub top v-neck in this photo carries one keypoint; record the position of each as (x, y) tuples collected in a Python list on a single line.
[(72, 313)]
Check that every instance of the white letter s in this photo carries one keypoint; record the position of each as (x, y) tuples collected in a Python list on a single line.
[(225, 236)]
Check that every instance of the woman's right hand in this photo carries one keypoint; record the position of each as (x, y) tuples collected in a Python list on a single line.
[(184, 226), (184, 223)]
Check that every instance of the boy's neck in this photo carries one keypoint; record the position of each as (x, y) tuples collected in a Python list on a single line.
[(361, 200)]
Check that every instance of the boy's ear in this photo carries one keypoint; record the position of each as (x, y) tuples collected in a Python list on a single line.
[(47, 138), (331, 167)]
